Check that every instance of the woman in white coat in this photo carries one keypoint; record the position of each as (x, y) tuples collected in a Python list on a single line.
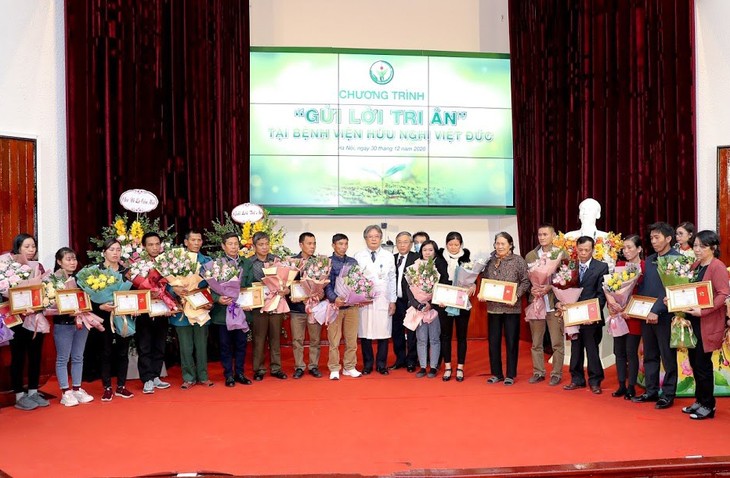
[(376, 318)]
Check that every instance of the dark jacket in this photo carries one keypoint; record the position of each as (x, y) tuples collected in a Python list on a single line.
[(409, 260), (651, 285), (592, 284)]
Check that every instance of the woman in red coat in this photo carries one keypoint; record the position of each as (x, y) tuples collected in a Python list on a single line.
[(708, 324), (626, 347)]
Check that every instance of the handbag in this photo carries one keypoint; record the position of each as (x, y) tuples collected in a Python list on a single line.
[(682, 336)]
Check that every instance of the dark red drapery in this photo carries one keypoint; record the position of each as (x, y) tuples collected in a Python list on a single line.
[(603, 107), (157, 99)]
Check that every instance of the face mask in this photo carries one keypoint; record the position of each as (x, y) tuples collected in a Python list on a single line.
[(417, 247)]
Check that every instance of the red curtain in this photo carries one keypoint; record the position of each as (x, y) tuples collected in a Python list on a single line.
[(157, 99), (603, 107)]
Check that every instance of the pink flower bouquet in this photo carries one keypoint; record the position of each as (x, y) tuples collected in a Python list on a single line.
[(314, 278), (353, 286), (619, 287), (277, 277), (421, 276), (180, 269), (565, 281), (540, 273)]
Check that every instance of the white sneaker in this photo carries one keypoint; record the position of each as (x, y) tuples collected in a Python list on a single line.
[(334, 375), (353, 372), (82, 396), (160, 384), (69, 399), (149, 387)]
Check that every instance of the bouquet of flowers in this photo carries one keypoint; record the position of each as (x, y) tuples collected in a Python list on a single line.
[(6, 333), (246, 231), (540, 273), (421, 277), (314, 277), (675, 270), (565, 282), (619, 287), (224, 278), (14, 270), (144, 276), (180, 269), (567, 246), (353, 286), (607, 248), (129, 236), (17, 271), (277, 277), (101, 284)]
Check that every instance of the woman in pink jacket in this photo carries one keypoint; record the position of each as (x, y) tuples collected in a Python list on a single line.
[(708, 324)]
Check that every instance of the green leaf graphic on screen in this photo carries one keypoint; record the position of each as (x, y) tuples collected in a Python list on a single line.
[(383, 176), (381, 72)]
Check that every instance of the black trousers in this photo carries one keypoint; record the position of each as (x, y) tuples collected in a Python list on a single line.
[(626, 349), (151, 337), (367, 353), (114, 356), (22, 345), (587, 341), (656, 347), (701, 363), (510, 323), (404, 340), (447, 332), (233, 350)]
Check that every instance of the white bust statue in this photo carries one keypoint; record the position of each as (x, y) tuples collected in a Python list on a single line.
[(589, 211)]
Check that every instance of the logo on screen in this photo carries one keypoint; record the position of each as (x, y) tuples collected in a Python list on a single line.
[(381, 72)]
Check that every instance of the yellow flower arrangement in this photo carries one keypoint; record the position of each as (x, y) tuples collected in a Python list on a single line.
[(130, 237), (120, 226)]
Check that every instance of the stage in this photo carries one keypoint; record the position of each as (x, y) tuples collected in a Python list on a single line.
[(373, 425)]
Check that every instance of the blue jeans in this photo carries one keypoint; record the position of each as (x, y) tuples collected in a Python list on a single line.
[(70, 343), (429, 334)]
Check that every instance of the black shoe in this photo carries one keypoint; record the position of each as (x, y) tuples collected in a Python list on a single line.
[(421, 373), (663, 403), (596, 389), (241, 378), (315, 373), (459, 374), (619, 393), (298, 373), (258, 376), (383, 371), (411, 368), (396, 366), (702, 413), (367, 371), (645, 397), (279, 374), (573, 386), (630, 393), (230, 382), (447, 375)]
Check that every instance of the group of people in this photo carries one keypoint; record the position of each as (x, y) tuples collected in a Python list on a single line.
[(422, 351)]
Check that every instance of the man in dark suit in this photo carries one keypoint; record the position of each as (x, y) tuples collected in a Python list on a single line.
[(656, 330), (591, 272), (404, 340)]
